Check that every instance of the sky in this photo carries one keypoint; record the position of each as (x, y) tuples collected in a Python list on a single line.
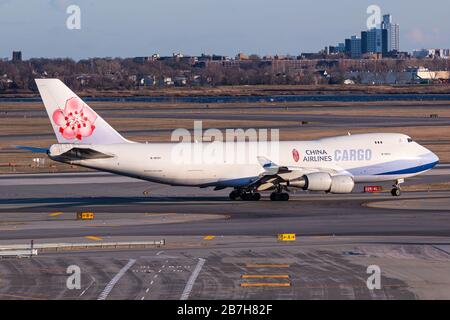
[(113, 28)]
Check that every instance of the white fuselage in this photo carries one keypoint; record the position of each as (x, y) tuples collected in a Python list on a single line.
[(366, 157)]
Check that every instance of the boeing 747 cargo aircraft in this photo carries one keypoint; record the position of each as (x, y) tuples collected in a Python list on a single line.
[(331, 165)]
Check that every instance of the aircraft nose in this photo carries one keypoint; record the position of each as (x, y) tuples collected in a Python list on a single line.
[(435, 158), (432, 159)]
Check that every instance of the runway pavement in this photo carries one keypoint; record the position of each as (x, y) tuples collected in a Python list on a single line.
[(338, 237), (122, 209)]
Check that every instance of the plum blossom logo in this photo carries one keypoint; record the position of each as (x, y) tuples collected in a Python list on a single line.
[(295, 155), (76, 120)]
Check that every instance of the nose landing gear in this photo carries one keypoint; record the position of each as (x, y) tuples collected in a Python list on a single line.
[(396, 190)]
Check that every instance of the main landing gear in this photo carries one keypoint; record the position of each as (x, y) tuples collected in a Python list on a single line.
[(279, 196), (245, 196), (396, 190)]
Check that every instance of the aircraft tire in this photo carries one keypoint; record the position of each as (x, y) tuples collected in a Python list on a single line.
[(234, 195), (256, 196), (275, 196)]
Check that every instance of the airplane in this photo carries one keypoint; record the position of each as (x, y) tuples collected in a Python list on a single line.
[(331, 165)]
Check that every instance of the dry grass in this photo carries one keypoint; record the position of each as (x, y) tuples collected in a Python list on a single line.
[(428, 187), (261, 90)]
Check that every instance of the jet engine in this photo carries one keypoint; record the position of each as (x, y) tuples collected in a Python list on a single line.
[(322, 181)]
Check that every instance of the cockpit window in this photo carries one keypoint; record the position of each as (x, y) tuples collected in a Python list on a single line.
[(410, 140)]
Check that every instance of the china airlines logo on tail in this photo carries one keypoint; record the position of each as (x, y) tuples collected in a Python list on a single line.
[(76, 120), (295, 155)]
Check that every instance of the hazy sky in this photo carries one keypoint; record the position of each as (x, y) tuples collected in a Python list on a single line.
[(141, 27)]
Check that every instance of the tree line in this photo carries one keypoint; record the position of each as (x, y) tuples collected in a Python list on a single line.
[(128, 74)]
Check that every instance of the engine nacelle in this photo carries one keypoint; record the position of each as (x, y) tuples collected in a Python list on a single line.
[(342, 184), (318, 181), (322, 181)]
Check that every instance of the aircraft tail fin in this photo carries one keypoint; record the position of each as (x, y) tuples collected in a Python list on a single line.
[(73, 120)]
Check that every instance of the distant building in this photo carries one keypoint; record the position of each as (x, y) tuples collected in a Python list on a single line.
[(364, 42), (355, 47), (392, 33), (420, 54), (446, 53), (383, 39), (180, 81), (241, 56), (17, 56), (431, 53), (341, 47), (168, 81), (409, 76), (374, 41), (348, 46), (372, 56), (147, 81), (219, 58), (424, 75), (397, 55)]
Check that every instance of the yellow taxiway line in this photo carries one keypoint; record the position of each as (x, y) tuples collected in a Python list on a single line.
[(94, 238), (55, 214)]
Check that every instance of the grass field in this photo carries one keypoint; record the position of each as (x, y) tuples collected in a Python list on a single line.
[(255, 90)]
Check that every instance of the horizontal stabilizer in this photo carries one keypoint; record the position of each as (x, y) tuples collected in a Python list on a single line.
[(76, 154)]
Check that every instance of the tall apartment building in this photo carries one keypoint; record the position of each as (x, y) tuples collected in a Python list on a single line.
[(17, 56), (393, 33)]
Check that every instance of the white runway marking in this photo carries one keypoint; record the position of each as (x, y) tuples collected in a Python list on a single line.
[(114, 280), (92, 282), (191, 281)]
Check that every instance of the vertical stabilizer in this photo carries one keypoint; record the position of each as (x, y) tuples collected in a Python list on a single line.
[(73, 120)]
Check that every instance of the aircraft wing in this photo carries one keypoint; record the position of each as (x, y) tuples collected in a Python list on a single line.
[(77, 154), (274, 174)]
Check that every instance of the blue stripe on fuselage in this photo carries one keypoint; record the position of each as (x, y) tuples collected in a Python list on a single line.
[(416, 169)]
